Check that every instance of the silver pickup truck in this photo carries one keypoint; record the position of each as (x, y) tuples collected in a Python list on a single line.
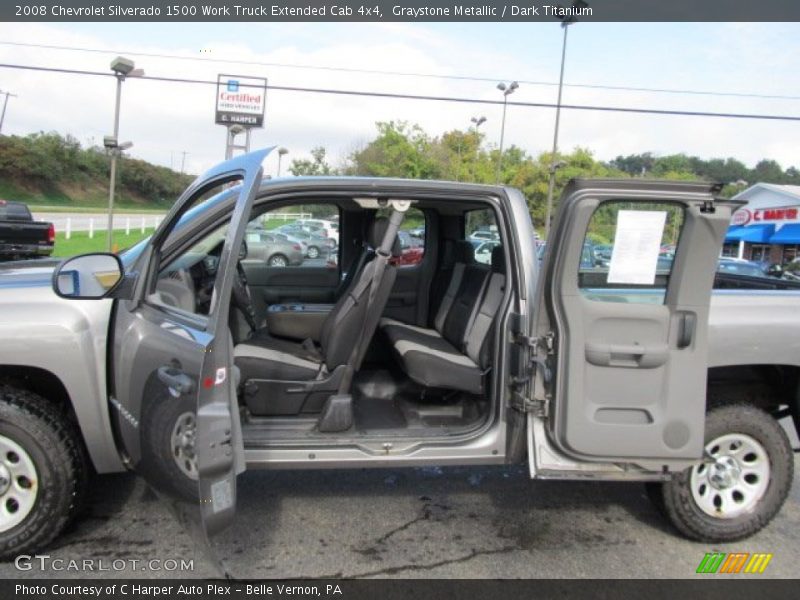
[(187, 362)]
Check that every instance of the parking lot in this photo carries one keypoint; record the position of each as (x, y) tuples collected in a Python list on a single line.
[(415, 523)]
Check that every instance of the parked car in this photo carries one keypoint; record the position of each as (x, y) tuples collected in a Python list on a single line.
[(315, 246), (740, 267), (273, 249), (21, 236), (682, 390), (321, 227), (483, 235), (418, 232), (411, 249), (483, 252)]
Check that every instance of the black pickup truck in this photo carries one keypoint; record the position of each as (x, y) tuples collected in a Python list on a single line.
[(20, 235)]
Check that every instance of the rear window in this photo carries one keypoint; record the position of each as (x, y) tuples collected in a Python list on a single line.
[(14, 211)]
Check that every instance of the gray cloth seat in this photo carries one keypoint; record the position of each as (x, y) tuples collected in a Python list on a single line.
[(455, 354), (273, 364)]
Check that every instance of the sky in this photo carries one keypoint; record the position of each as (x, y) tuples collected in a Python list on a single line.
[(163, 120)]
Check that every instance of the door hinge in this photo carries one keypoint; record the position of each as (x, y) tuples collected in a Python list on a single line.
[(539, 408), (545, 342), (537, 366)]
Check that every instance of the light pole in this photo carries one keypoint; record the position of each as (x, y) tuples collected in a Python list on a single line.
[(122, 67), (478, 121), (507, 91), (5, 103), (565, 23), (281, 152)]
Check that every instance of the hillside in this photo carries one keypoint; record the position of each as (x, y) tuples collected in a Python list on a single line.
[(50, 169)]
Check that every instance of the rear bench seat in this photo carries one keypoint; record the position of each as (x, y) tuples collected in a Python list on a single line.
[(456, 354)]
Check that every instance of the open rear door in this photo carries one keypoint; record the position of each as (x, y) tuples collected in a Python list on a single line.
[(623, 319), (174, 391)]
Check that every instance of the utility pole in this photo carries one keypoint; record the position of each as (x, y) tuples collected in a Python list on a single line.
[(478, 121), (507, 91), (5, 104), (183, 160), (554, 164)]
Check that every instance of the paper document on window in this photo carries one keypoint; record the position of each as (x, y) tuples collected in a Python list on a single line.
[(637, 242)]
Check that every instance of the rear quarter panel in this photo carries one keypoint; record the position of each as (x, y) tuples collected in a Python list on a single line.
[(749, 327)]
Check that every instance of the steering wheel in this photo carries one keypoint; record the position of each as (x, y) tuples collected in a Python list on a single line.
[(240, 293)]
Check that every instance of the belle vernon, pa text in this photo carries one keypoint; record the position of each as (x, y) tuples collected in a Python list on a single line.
[(167, 591)]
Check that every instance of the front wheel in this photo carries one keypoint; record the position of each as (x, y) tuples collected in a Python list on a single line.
[(43, 471), (313, 252), (742, 482)]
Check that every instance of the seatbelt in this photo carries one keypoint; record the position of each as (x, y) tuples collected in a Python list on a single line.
[(382, 255)]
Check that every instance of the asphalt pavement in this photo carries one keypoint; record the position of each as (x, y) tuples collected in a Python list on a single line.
[(488, 522)]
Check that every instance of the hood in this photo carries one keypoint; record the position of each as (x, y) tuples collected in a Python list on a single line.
[(28, 273)]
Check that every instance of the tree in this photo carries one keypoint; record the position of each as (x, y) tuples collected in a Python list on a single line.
[(316, 166), (400, 150)]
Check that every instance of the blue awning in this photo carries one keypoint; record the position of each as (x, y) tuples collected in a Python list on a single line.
[(732, 235), (788, 234), (761, 233)]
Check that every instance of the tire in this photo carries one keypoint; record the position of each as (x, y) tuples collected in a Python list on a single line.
[(278, 260), (160, 466), (757, 463), (313, 252), (44, 442)]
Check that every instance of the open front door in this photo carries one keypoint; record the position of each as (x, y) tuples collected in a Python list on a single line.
[(174, 382), (623, 319)]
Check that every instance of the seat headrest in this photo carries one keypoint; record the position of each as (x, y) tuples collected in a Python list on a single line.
[(498, 260), (465, 252), (377, 229)]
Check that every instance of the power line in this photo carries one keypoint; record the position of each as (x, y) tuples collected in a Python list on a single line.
[(393, 95), (493, 80)]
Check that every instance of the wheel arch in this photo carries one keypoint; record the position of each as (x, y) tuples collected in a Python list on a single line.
[(775, 388), (51, 387)]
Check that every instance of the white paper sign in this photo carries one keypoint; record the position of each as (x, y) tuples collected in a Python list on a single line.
[(637, 243)]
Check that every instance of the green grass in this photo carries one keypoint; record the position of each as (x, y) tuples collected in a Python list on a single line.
[(80, 242)]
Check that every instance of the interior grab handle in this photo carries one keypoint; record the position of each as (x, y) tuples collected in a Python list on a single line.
[(637, 356), (688, 321)]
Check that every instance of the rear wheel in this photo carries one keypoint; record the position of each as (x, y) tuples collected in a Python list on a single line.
[(313, 252), (278, 260), (43, 471), (742, 482)]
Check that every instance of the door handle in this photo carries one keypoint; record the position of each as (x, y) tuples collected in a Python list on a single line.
[(177, 381), (626, 355), (688, 321)]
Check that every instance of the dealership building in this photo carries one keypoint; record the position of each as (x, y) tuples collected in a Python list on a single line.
[(767, 228)]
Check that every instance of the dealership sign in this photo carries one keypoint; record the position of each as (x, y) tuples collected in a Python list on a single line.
[(240, 100), (752, 216)]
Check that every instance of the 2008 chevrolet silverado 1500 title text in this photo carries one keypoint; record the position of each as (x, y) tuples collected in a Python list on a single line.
[(189, 362)]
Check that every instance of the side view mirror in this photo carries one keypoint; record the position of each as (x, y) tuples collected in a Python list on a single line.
[(775, 270), (88, 276)]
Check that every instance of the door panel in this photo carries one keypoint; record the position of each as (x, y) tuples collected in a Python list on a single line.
[(286, 285), (173, 375), (402, 302), (630, 332)]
